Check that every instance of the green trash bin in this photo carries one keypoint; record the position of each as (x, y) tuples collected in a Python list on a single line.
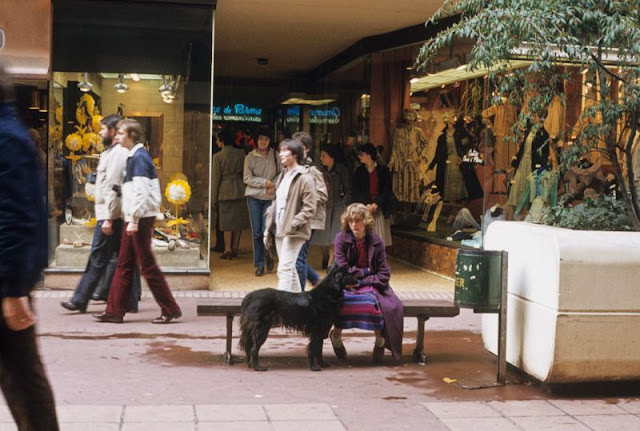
[(478, 279)]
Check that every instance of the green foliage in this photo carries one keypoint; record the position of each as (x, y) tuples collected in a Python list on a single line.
[(591, 35), (601, 213)]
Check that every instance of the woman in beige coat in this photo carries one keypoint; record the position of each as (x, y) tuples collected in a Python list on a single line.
[(288, 219)]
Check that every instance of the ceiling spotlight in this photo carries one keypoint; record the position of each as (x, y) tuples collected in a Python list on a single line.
[(121, 87), (85, 85)]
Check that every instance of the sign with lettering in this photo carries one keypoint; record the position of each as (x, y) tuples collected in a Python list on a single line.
[(328, 115), (238, 112), (292, 114)]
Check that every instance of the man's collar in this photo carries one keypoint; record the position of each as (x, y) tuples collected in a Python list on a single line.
[(135, 148)]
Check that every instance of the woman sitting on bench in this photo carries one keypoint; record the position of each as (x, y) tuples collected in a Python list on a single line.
[(371, 304)]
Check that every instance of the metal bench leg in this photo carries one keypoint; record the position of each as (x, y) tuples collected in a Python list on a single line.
[(227, 354), (418, 353)]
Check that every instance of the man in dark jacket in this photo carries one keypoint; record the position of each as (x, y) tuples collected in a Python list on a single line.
[(23, 248)]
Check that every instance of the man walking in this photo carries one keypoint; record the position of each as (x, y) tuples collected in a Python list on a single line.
[(140, 203), (23, 255), (108, 231)]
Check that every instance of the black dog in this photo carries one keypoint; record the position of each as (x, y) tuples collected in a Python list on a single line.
[(312, 313)]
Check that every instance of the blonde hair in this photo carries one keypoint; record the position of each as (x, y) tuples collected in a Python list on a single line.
[(356, 211)]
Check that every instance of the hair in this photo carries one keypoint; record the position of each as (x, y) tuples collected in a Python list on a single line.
[(331, 150), (226, 136), (263, 131), (356, 211), (305, 139), (132, 128), (111, 121), (369, 149), (6, 87), (295, 147)]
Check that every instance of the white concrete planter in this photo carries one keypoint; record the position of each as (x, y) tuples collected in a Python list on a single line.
[(573, 302)]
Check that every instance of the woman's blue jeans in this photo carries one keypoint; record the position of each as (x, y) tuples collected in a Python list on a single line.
[(257, 210)]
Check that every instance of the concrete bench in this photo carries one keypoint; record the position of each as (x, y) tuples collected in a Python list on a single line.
[(422, 309)]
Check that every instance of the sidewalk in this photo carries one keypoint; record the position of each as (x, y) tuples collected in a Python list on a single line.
[(139, 376)]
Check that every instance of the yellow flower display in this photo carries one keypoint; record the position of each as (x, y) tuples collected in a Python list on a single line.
[(73, 142), (89, 192), (88, 100), (90, 140), (96, 123), (178, 192)]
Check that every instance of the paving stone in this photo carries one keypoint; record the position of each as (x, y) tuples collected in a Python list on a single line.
[(234, 426), (180, 413), (304, 412), (231, 412), (549, 423), (461, 409), (93, 426), (526, 408), (480, 424), (587, 407), (159, 426), (632, 406), (94, 414), (611, 422), (329, 425)]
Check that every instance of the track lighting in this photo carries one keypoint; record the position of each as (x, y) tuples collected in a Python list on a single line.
[(121, 87), (85, 85)]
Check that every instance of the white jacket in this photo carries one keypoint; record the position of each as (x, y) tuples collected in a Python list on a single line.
[(110, 172), (141, 195)]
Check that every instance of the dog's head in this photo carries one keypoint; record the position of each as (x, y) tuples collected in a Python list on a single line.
[(341, 277)]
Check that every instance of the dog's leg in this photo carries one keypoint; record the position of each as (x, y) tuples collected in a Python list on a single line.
[(259, 337), (314, 353)]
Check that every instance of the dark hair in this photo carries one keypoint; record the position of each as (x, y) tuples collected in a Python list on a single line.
[(295, 147), (305, 139), (132, 128), (369, 149), (111, 121), (226, 136), (331, 150), (264, 131)]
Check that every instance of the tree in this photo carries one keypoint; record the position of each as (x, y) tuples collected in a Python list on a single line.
[(600, 37)]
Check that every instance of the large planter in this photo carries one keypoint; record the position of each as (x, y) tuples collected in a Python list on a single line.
[(573, 302)]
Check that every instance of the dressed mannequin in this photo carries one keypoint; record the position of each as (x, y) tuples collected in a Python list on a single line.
[(533, 151), (430, 206), (409, 145), (447, 161), (504, 117), (541, 191)]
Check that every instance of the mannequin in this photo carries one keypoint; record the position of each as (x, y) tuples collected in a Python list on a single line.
[(409, 146), (447, 161), (541, 191), (504, 117), (430, 205)]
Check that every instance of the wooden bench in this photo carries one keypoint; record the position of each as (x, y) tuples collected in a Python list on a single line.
[(422, 309)]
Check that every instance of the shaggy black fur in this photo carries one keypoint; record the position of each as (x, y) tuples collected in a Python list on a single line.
[(311, 313)]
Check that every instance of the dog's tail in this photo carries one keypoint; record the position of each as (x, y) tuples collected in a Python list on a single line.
[(246, 338)]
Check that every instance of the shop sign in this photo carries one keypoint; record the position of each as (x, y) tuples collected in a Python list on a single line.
[(238, 112), (324, 116), (292, 115)]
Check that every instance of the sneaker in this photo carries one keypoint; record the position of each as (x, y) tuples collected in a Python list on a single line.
[(259, 271), (340, 351)]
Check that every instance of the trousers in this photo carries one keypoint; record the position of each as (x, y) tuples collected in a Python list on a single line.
[(24, 382), (288, 250)]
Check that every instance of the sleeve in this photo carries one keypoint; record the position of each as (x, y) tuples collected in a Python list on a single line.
[(340, 251), (115, 176), (21, 215), (345, 182), (146, 187), (309, 200), (380, 273), (248, 177), (321, 187)]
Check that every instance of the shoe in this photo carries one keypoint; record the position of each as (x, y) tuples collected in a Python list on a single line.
[(259, 271), (341, 352), (234, 253), (97, 297), (269, 264), (164, 319), (378, 354), (73, 307), (108, 318), (227, 255)]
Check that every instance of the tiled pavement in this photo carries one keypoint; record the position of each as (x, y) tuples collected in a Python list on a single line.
[(534, 415)]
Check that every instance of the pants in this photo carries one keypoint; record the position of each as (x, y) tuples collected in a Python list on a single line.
[(304, 270), (257, 210), (24, 382), (288, 250), (105, 283), (134, 248), (99, 266)]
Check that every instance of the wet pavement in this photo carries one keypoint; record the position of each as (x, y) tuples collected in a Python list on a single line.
[(139, 376)]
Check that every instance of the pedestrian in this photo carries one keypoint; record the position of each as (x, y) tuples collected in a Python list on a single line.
[(108, 230), (371, 304), (372, 187), (227, 192), (288, 218), (338, 182), (23, 255), (141, 200), (305, 271), (260, 170)]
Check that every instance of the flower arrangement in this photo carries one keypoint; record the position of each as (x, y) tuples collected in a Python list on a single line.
[(178, 192)]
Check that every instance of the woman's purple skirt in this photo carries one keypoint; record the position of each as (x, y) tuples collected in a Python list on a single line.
[(360, 310)]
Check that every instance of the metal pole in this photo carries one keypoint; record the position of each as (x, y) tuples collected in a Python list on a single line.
[(502, 320)]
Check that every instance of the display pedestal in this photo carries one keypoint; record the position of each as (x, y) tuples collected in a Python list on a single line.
[(574, 311)]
